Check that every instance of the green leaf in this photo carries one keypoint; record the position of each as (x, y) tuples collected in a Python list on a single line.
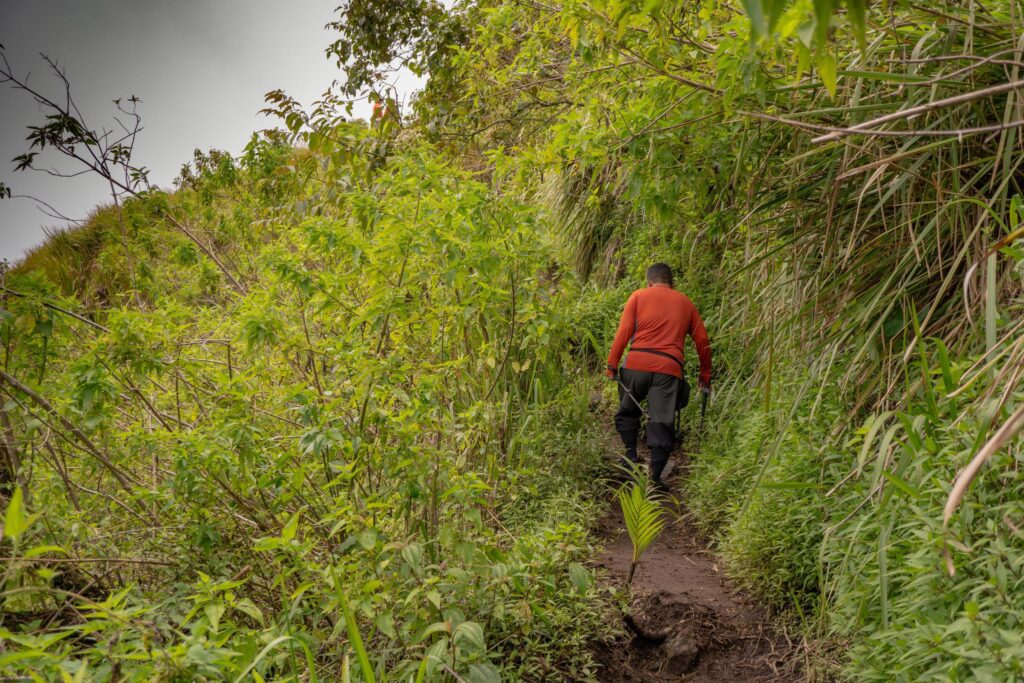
[(354, 636), (826, 64), (413, 556), (386, 624), (288, 532), (466, 550), (368, 539), (901, 484), (755, 12), (25, 323), (263, 653), (469, 636), (774, 9), (15, 520), (267, 543), (214, 611), (643, 515), (572, 29), (43, 549), (483, 672), (856, 12), (579, 576), (436, 627), (247, 606), (823, 10), (948, 381), (789, 485)]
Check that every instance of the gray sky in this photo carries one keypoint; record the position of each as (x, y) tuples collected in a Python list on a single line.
[(201, 68)]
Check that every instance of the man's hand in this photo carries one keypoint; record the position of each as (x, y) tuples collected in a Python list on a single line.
[(705, 387), (612, 373)]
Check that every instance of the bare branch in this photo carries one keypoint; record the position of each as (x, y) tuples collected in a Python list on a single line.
[(49, 209)]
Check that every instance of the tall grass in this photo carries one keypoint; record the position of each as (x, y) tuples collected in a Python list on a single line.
[(866, 298)]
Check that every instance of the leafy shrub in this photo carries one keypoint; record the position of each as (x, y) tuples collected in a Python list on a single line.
[(374, 463)]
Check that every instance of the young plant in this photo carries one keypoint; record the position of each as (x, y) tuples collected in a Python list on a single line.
[(644, 514)]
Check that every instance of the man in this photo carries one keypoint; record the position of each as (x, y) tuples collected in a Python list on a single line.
[(655, 323)]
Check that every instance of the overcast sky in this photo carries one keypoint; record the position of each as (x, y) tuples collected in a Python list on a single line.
[(201, 68)]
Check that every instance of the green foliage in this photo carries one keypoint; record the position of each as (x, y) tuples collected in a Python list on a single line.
[(84, 261), (759, 497), (376, 38), (721, 475), (373, 456), (643, 513), (820, 258), (884, 573), (339, 384)]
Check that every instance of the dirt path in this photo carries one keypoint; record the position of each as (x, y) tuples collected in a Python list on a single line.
[(687, 622)]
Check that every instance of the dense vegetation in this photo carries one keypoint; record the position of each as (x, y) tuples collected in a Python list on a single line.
[(364, 442), (338, 426)]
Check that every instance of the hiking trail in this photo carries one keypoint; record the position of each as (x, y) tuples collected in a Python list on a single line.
[(687, 622)]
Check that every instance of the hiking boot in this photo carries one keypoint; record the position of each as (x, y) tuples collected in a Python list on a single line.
[(659, 460)]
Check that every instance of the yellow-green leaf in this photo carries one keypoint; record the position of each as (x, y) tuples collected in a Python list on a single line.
[(15, 520), (288, 532), (827, 70)]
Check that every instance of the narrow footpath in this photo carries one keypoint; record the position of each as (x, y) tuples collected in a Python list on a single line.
[(687, 622)]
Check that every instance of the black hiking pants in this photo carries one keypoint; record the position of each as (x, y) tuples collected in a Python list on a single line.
[(660, 391)]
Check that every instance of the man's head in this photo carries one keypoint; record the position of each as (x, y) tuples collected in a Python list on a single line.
[(659, 273)]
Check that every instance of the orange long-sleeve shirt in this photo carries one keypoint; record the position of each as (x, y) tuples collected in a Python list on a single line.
[(659, 318)]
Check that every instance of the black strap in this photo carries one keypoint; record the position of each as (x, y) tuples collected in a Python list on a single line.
[(656, 352)]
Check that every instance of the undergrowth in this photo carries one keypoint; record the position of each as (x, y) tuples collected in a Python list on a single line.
[(376, 463), (857, 558)]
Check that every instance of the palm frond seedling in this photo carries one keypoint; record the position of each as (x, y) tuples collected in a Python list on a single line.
[(644, 515)]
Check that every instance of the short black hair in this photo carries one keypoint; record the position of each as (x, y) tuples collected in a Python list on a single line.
[(660, 272)]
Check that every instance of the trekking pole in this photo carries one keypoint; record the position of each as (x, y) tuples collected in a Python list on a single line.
[(632, 397), (703, 409)]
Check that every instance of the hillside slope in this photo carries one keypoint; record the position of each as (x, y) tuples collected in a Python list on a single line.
[(380, 447)]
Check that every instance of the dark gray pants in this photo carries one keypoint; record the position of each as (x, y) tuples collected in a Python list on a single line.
[(660, 392)]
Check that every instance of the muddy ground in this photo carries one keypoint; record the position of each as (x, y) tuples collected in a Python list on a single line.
[(687, 622)]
